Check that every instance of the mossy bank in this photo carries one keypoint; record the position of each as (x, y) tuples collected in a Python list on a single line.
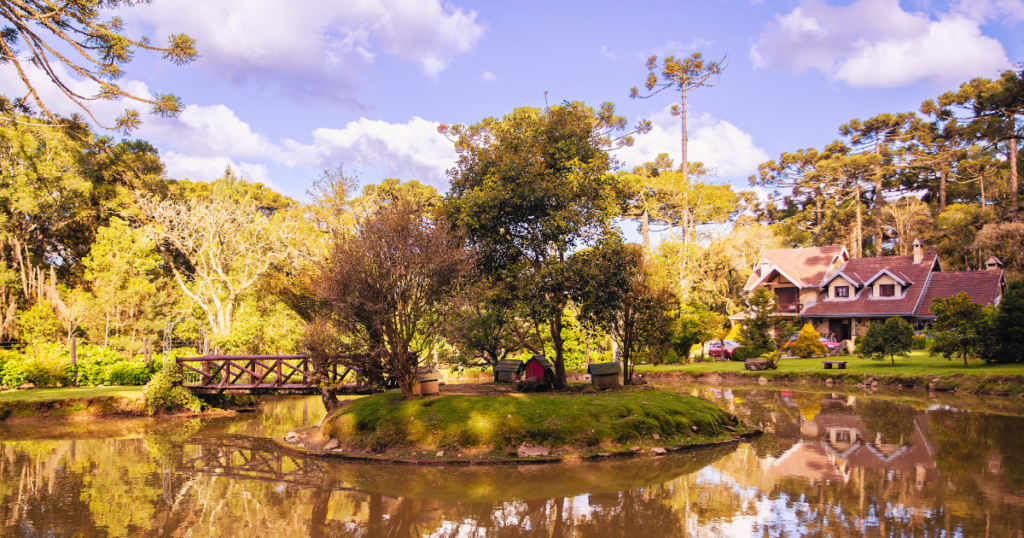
[(85, 403), (496, 427)]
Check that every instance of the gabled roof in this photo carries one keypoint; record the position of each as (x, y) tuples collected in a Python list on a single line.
[(605, 368), (509, 365), (903, 281), (805, 267), (901, 268), (984, 287), (851, 279)]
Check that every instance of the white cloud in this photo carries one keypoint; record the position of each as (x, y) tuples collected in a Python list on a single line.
[(983, 10), (487, 76), (411, 150), (715, 142), (300, 44), (875, 43), (608, 54), (205, 139), (675, 48)]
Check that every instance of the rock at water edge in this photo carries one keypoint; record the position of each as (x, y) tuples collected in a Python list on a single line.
[(532, 451), (331, 445)]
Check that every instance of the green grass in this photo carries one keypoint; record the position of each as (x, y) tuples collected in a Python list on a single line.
[(918, 364), (387, 421), (69, 393)]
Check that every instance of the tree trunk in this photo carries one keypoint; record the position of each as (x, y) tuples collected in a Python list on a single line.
[(556, 342), (859, 251), (682, 113), (942, 190), (818, 211), (981, 182), (1014, 193), (645, 229), (879, 199)]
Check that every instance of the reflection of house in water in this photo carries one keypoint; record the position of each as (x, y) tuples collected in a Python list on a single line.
[(836, 441)]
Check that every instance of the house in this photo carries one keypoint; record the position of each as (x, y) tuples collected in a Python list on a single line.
[(841, 295)]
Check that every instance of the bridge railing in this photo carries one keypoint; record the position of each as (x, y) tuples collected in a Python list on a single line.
[(225, 372)]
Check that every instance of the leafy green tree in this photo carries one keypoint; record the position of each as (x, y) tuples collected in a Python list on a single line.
[(39, 324), (421, 197), (617, 291), (885, 135), (683, 75), (960, 328), (995, 107), (123, 270), (49, 30), (763, 331), (891, 339), (808, 343), (1008, 325), (529, 190)]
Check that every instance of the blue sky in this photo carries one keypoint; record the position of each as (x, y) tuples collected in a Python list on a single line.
[(285, 89)]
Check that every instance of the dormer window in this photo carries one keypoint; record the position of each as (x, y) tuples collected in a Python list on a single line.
[(887, 290), (842, 291)]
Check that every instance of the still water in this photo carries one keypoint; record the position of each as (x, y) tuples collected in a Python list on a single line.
[(852, 464)]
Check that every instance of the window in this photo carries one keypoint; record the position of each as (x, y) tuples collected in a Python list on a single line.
[(887, 290), (843, 436), (842, 291)]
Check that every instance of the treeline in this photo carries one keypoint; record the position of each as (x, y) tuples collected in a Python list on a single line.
[(947, 173), (97, 244)]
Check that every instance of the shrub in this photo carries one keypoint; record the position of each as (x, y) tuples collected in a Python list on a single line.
[(807, 343), (127, 373), (165, 393), (94, 362), (749, 352), (920, 341), (891, 339)]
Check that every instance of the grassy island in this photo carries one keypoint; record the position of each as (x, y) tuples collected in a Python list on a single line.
[(495, 426)]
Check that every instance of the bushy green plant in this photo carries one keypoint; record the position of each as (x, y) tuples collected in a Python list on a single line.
[(808, 343), (43, 369), (12, 373), (962, 329), (920, 341), (38, 324), (127, 373), (749, 352), (165, 393), (94, 362)]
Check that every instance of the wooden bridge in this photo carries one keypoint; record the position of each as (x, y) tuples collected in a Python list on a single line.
[(258, 374), (251, 458)]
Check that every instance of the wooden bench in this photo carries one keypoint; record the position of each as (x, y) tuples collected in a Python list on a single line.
[(841, 365)]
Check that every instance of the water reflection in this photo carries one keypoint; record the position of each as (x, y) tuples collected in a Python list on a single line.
[(831, 465)]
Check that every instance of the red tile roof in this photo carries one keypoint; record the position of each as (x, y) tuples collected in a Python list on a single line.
[(805, 264), (863, 306), (983, 287)]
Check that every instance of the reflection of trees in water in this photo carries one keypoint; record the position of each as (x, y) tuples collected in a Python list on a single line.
[(139, 487), (893, 421)]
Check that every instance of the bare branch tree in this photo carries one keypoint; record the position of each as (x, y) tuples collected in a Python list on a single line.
[(389, 290), (229, 247)]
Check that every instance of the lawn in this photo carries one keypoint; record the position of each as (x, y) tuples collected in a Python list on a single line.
[(68, 393), (917, 364), (387, 421)]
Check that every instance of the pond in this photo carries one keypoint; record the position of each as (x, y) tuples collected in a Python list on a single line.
[(851, 464)]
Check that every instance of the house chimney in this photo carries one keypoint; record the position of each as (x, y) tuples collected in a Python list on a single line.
[(765, 264), (993, 264), (918, 250)]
